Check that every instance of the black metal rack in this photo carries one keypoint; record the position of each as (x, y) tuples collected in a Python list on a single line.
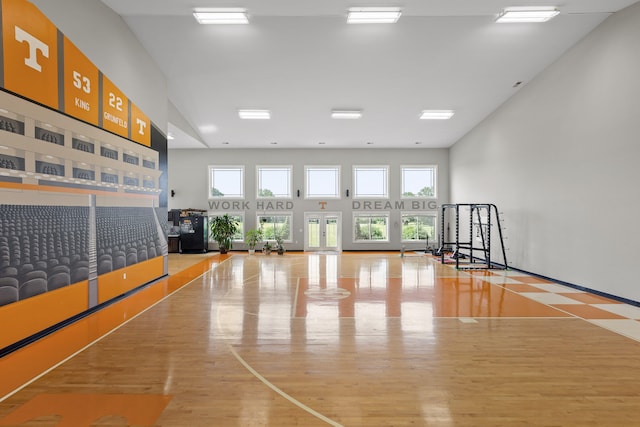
[(482, 216)]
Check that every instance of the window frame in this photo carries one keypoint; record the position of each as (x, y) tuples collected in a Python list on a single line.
[(241, 214), (290, 179), (211, 168), (434, 168), (338, 171), (374, 214), (355, 169), (277, 213), (433, 214)]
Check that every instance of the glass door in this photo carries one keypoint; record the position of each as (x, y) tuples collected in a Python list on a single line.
[(322, 231)]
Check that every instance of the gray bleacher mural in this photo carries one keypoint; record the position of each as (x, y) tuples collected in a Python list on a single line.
[(43, 248)]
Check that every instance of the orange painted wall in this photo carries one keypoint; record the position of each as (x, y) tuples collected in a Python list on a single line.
[(27, 317)]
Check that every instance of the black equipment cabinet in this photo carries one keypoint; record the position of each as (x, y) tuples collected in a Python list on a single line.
[(194, 234)]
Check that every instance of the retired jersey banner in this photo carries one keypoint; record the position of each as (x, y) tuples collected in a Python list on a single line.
[(140, 126), (81, 87), (30, 52), (115, 109), (39, 63)]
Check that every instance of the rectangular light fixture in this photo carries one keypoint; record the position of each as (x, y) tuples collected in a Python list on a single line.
[(527, 14), (254, 114), (436, 114), (373, 15), (346, 114), (229, 15)]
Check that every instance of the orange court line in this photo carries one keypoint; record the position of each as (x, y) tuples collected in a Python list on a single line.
[(28, 363), (587, 312), (588, 298)]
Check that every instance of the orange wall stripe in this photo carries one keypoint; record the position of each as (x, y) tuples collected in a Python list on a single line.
[(52, 189), (24, 318), (30, 43)]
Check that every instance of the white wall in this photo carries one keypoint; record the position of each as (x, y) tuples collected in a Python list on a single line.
[(188, 177), (104, 37), (561, 161)]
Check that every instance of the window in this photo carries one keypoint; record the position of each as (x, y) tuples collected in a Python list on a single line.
[(322, 182), (370, 182), (276, 225), (226, 182), (237, 217), (418, 226), (274, 182), (418, 181), (371, 227)]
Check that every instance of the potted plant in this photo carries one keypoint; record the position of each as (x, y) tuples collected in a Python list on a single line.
[(266, 248), (279, 245), (252, 238), (223, 229)]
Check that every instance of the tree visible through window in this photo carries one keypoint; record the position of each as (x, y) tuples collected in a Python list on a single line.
[(237, 217), (418, 181), (226, 182), (418, 226), (274, 182), (275, 226), (371, 227)]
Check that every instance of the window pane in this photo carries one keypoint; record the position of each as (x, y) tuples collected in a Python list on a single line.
[(274, 182), (370, 181), (418, 226), (238, 217), (275, 225), (371, 228), (418, 181), (323, 182), (226, 181)]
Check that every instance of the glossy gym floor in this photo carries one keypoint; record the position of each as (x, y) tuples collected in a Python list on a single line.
[(357, 339)]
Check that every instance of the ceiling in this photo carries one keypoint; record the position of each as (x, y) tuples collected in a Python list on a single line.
[(300, 59)]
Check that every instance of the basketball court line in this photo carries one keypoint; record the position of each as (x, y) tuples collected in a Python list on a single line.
[(98, 339)]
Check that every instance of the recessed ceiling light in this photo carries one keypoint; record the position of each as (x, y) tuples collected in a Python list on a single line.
[(321, 143), (418, 143), (373, 15), (436, 114), (273, 143), (369, 143), (229, 15), (225, 143), (170, 136), (527, 14), (346, 114), (254, 114)]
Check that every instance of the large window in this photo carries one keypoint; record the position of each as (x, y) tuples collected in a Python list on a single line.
[(237, 217), (322, 182), (371, 182), (276, 225), (226, 182), (418, 226), (274, 182), (371, 227), (418, 181)]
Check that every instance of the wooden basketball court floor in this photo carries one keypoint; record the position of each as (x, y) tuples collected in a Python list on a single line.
[(358, 339)]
